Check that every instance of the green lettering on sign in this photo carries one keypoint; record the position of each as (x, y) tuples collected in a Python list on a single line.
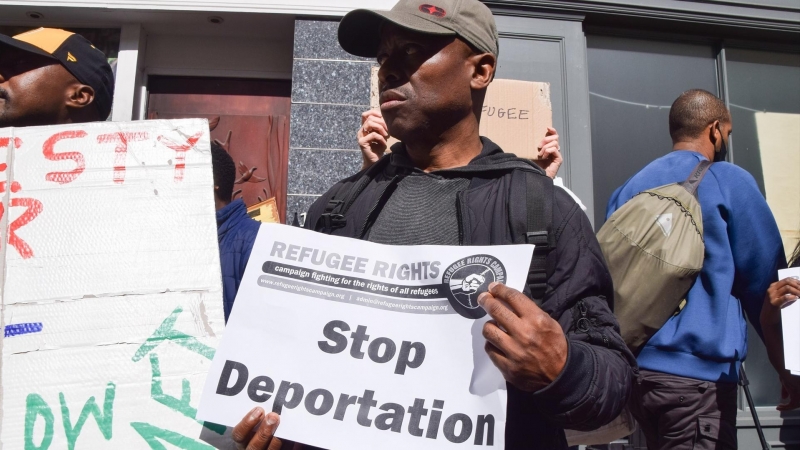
[(35, 406), (104, 420), (165, 332), (180, 405), (153, 435)]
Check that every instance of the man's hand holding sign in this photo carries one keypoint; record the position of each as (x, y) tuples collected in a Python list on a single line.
[(524, 342), (257, 431)]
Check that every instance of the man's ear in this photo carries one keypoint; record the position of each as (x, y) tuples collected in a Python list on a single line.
[(714, 133), (80, 95), (485, 65)]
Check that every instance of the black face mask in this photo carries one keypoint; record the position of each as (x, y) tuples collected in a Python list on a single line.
[(723, 149)]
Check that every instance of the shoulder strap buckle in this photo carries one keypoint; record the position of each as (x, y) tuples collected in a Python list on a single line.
[(538, 238), (332, 222)]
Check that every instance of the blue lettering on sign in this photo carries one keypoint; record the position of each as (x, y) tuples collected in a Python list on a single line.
[(22, 328)]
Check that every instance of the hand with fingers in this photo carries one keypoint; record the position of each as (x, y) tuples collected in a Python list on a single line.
[(790, 392), (372, 137), (779, 295), (524, 342), (256, 431), (550, 158)]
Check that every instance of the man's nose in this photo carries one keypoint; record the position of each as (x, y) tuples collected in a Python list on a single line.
[(389, 72)]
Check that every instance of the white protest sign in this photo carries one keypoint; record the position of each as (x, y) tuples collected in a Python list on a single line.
[(362, 346), (111, 296), (790, 319)]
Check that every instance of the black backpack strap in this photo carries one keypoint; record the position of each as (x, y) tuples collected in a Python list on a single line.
[(539, 205), (334, 215), (693, 181)]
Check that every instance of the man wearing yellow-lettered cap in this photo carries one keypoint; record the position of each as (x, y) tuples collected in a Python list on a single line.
[(50, 76)]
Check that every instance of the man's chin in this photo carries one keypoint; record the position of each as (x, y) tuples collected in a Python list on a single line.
[(399, 128)]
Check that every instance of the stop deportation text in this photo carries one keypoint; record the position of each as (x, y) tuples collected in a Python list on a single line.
[(236, 379)]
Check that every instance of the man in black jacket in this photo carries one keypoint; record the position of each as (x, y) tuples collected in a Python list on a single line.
[(561, 354)]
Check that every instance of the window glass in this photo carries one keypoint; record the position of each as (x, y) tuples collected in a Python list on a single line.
[(632, 85), (764, 91)]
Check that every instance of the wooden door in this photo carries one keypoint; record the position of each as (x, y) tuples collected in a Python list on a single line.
[(251, 119)]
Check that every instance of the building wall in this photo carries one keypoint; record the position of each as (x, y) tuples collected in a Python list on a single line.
[(237, 57), (312, 7), (330, 90)]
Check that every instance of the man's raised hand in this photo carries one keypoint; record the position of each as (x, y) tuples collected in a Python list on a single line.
[(372, 137), (550, 158), (524, 342)]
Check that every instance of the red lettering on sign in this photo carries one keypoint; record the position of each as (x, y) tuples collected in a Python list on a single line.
[(4, 141), (121, 150), (180, 150), (34, 207), (80, 163)]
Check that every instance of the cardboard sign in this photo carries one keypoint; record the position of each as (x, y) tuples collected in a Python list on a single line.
[(515, 114), (364, 346), (111, 296)]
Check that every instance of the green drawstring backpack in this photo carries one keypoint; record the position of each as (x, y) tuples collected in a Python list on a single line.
[(654, 249)]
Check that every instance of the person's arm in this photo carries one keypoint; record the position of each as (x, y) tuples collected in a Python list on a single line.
[(567, 355), (755, 241), (779, 295)]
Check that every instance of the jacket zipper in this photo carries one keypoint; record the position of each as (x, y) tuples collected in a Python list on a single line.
[(459, 210), (586, 325), (583, 324)]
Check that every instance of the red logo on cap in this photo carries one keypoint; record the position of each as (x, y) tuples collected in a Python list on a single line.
[(432, 10)]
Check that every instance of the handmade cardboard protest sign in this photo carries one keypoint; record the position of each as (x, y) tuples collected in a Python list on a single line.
[(111, 295), (362, 346), (515, 114)]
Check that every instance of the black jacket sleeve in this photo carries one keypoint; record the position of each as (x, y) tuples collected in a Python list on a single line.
[(596, 381)]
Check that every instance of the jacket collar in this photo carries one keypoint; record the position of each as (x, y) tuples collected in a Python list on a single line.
[(490, 158), (230, 216)]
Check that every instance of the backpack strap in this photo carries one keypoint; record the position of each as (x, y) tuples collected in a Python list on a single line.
[(333, 217), (539, 205), (693, 181)]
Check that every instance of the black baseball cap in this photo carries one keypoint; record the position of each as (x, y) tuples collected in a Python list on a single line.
[(82, 59), (471, 20)]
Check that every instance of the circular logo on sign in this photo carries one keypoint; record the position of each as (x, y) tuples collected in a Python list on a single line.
[(432, 10), (467, 278)]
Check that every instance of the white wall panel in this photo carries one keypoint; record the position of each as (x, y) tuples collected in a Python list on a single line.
[(317, 7)]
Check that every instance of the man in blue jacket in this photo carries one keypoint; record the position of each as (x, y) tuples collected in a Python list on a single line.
[(685, 397), (236, 231)]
